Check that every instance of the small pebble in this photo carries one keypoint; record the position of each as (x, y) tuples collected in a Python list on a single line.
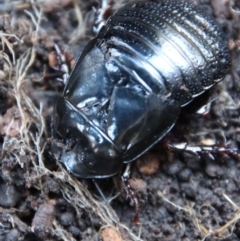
[(184, 174), (173, 167), (66, 219), (75, 231), (214, 170), (137, 184), (148, 164), (110, 234)]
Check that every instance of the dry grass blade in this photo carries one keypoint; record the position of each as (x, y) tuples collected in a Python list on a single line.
[(9, 45), (23, 65), (5, 58)]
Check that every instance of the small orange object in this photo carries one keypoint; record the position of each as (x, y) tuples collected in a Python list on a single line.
[(110, 234), (148, 164), (137, 184)]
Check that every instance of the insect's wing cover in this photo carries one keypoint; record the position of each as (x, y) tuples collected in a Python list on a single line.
[(137, 122)]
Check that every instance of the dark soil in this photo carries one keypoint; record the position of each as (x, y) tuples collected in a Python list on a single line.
[(182, 196)]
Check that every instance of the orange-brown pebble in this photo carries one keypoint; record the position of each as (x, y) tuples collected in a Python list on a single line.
[(110, 234), (137, 184), (148, 164)]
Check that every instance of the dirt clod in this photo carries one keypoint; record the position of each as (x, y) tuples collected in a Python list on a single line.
[(12, 235), (9, 196)]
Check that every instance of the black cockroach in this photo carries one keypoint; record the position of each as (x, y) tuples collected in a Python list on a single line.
[(129, 85)]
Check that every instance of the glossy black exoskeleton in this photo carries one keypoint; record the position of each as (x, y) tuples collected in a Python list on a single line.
[(128, 86)]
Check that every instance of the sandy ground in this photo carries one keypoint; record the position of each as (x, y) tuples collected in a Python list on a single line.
[(182, 196)]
